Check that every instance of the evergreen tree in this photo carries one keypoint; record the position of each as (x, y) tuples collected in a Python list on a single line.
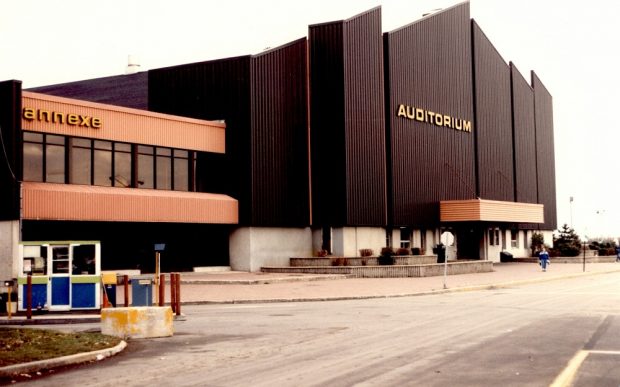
[(567, 243)]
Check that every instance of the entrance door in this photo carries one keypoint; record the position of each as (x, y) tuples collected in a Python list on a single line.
[(468, 241), (60, 282)]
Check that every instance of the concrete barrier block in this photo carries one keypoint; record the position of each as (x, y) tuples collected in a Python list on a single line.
[(137, 322)]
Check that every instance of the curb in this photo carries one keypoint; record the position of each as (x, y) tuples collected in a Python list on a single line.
[(499, 285), (50, 321), (77, 358)]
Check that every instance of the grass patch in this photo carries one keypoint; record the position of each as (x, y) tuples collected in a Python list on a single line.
[(19, 345)]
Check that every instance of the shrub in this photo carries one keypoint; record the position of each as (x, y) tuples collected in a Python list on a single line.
[(416, 251), (386, 257), (387, 251), (366, 252), (403, 251), (322, 253)]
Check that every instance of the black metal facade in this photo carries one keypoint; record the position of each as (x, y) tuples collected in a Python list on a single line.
[(524, 134), (264, 101), (429, 66), (545, 155), (280, 137), (10, 148), (347, 122), (494, 145)]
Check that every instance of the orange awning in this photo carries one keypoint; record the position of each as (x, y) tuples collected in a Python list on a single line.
[(480, 210)]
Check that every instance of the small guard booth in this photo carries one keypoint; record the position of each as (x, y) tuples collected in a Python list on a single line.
[(66, 275)]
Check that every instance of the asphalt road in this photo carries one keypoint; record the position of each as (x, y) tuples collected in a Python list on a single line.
[(525, 336)]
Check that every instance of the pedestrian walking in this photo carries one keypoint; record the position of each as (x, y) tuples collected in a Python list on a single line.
[(543, 258), (618, 253)]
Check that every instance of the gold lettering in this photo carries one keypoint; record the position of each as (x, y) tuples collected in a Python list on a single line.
[(439, 119), (29, 114), (410, 112), (467, 126), (447, 121), (44, 115), (72, 119), (96, 122), (85, 121), (459, 124), (402, 111), (59, 118), (431, 115), (419, 115)]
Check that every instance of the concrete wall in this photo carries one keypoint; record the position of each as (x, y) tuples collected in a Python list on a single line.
[(253, 247), (347, 241), (9, 241)]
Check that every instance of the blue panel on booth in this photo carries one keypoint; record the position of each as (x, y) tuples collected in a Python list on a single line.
[(39, 296), (60, 290), (83, 295)]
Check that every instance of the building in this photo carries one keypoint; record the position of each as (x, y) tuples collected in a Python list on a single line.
[(350, 138)]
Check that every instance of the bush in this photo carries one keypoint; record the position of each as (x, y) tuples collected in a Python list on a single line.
[(322, 253), (366, 252), (403, 251), (416, 251), (386, 257)]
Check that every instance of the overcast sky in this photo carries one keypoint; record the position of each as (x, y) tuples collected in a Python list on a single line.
[(571, 45)]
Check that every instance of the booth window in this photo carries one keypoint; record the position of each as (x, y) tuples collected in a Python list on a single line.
[(35, 260), (83, 259), (44, 157)]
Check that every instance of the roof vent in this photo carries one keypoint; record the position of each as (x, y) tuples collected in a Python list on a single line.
[(133, 65)]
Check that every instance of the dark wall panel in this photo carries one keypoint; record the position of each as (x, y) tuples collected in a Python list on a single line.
[(280, 149), (545, 154), (10, 148), (327, 141), (214, 90), (494, 150), (365, 120), (429, 66), (524, 138), (122, 90)]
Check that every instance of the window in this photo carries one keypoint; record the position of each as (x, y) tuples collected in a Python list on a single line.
[(83, 260), (81, 160), (494, 237), (145, 167), (405, 237), (181, 170), (44, 157), (163, 168), (514, 238), (33, 156), (122, 165), (54, 159), (102, 163)]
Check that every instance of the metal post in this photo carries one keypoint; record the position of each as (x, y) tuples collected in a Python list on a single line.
[(445, 269), (9, 304), (157, 275), (162, 288), (178, 293), (173, 291), (584, 257), (29, 297), (126, 290)]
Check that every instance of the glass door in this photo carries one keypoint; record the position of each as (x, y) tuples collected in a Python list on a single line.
[(60, 281)]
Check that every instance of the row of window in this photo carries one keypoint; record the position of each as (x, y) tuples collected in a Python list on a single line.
[(71, 160)]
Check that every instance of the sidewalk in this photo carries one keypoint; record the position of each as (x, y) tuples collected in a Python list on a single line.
[(242, 287)]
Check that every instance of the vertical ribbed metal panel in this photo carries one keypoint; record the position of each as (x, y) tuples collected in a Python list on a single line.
[(327, 135), (429, 65), (214, 90), (545, 154), (280, 174), (11, 169), (524, 138), (365, 120), (347, 120), (494, 151)]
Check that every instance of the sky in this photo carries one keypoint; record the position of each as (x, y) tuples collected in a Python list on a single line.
[(570, 45)]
